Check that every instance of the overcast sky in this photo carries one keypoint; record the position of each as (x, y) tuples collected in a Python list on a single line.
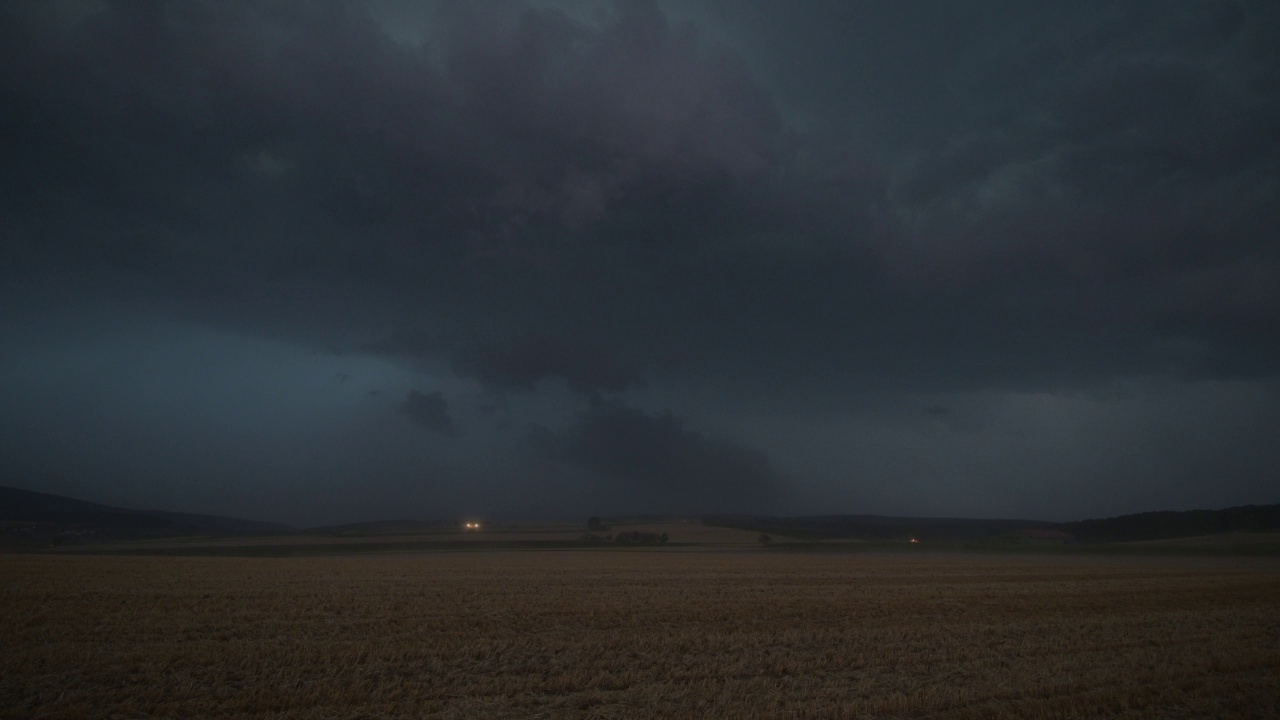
[(333, 261)]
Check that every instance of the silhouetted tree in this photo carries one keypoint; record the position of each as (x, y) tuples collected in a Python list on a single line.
[(764, 539), (594, 524)]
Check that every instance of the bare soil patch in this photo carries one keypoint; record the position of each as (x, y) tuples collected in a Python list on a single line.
[(571, 634)]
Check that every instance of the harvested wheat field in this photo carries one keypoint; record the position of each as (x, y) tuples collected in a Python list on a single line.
[(635, 635)]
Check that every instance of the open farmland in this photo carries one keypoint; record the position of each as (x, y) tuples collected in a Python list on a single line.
[(638, 634), (689, 535)]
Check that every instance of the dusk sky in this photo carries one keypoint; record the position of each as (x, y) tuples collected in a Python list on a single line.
[(322, 262)]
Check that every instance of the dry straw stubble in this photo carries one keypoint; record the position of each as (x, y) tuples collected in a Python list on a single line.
[(636, 634)]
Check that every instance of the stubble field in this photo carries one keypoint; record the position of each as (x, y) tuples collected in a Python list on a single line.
[(609, 634)]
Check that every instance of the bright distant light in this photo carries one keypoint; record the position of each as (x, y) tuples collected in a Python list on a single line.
[(914, 540)]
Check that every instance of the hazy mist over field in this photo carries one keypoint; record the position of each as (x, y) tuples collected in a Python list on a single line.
[(330, 261)]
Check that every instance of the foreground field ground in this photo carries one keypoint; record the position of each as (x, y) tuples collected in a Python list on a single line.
[(581, 634)]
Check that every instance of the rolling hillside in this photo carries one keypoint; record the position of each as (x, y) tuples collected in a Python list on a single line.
[(1125, 528), (27, 516)]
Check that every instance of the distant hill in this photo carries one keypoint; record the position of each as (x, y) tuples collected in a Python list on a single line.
[(1125, 528), (877, 527), (27, 516), (36, 519), (1169, 525)]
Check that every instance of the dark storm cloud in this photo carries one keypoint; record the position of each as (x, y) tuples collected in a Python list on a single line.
[(1117, 154), (795, 212), (409, 344), (654, 462), (518, 118), (630, 180), (525, 168), (522, 365), (429, 410)]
